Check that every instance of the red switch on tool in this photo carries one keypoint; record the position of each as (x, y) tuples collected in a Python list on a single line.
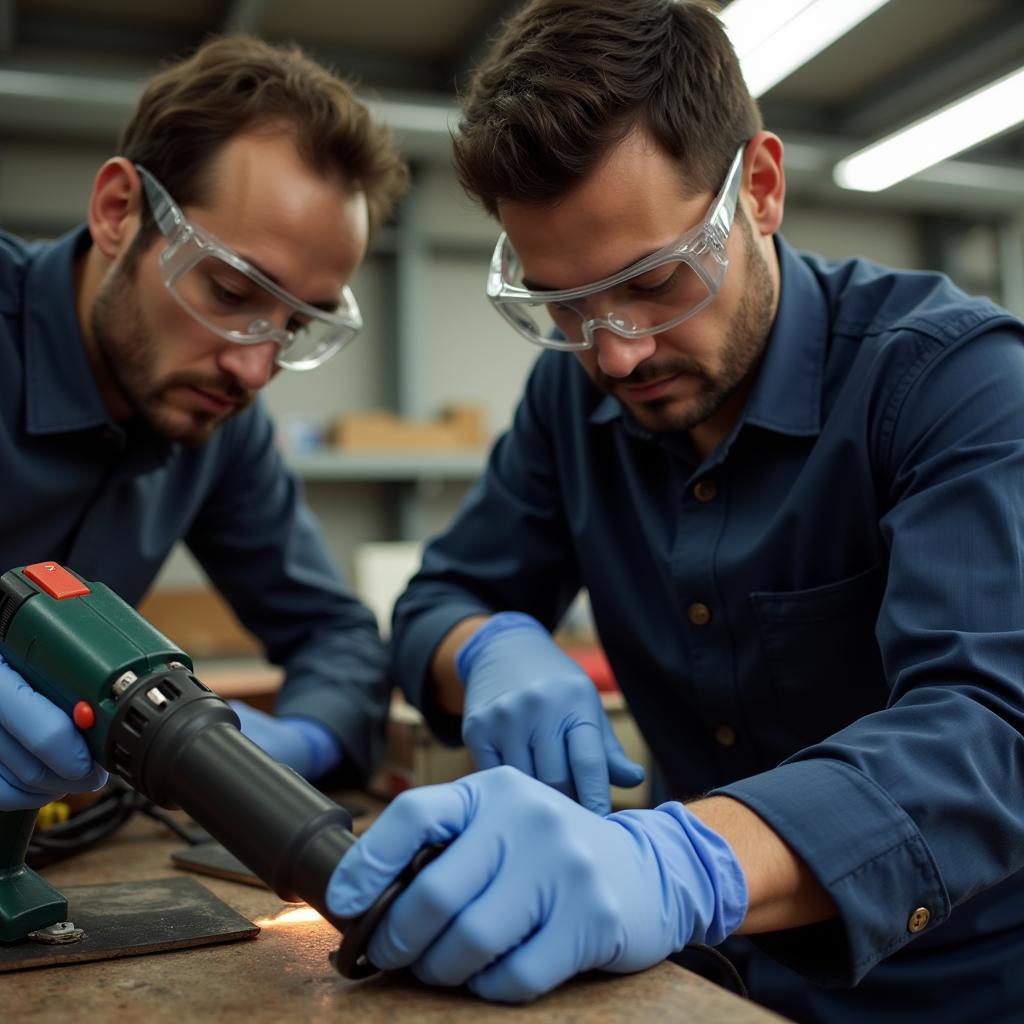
[(56, 580), (83, 715)]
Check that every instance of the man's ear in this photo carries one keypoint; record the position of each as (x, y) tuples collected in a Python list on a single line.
[(764, 182), (115, 206)]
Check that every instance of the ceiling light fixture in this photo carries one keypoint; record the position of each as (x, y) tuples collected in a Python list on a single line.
[(956, 127), (772, 38)]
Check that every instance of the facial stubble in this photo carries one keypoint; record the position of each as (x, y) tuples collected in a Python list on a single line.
[(129, 354), (746, 336)]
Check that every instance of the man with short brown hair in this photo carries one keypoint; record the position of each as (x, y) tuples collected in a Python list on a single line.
[(792, 490), (219, 247)]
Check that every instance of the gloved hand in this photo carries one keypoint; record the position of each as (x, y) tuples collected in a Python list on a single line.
[(533, 888), (531, 706), (300, 743), (42, 755)]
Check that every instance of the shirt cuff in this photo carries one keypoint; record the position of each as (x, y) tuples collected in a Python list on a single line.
[(865, 851)]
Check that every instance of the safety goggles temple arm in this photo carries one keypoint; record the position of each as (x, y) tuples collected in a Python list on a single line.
[(353, 314), (722, 212), (165, 211)]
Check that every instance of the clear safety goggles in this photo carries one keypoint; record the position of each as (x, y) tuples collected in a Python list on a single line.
[(655, 294), (233, 299)]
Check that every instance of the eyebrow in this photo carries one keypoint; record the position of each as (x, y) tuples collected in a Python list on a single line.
[(326, 305), (536, 286)]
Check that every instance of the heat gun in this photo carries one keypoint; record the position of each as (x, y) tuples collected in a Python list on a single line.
[(146, 717)]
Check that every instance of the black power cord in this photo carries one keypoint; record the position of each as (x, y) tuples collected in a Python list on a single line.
[(725, 964), (102, 818), (99, 820)]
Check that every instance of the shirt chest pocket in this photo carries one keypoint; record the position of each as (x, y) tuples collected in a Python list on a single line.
[(821, 656)]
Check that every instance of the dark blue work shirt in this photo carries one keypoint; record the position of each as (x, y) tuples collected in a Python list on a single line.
[(823, 619), (110, 501)]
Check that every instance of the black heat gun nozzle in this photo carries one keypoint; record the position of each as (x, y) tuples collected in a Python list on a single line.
[(179, 744)]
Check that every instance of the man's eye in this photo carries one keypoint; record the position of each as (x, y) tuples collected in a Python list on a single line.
[(560, 312), (651, 285), (223, 293)]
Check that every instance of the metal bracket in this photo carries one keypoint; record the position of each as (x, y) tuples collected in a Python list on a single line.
[(57, 934)]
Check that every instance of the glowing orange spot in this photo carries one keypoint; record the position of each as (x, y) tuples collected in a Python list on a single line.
[(298, 915)]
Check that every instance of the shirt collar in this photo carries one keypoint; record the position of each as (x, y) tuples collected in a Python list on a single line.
[(786, 396), (60, 390)]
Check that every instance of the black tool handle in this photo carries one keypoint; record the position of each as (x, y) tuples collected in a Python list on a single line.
[(350, 957)]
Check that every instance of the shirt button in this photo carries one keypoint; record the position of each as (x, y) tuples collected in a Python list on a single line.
[(919, 920), (725, 735), (705, 490), (699, 614)]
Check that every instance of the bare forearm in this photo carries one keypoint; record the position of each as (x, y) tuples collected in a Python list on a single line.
[(782, 891), (447, 689)]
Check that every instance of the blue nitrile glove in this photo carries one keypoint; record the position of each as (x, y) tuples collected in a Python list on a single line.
[(530, 705), (307, 746), (533, 888), (42, 755)]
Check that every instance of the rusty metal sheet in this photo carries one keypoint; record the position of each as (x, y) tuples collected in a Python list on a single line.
[(133, 918)]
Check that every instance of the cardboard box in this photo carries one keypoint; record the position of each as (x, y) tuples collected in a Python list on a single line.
[(460, 427), (199, 621)]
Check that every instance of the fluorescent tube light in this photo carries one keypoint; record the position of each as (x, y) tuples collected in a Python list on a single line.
[(750, 22), (772, 38), (948, 131), (416, 117)]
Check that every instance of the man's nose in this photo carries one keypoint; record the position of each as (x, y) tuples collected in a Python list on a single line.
[(617, 356), (251, 365)]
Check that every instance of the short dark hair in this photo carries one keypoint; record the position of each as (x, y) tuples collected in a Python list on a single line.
[(237, 83), (567, 80)]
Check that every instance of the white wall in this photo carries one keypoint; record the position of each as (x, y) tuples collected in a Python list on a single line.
[(46, 184), (473, 354), (836, 234)]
